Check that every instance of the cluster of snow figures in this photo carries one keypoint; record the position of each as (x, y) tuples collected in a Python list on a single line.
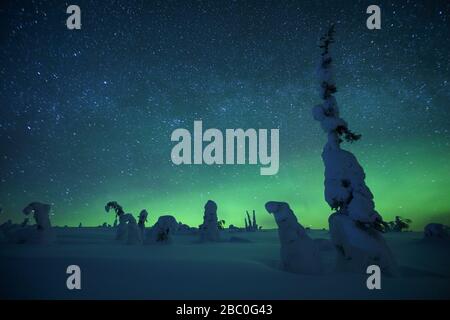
[(355, 226), (129, 230)]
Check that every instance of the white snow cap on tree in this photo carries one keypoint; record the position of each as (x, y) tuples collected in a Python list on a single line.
[(355, 226), (298, 251), (209, 230)]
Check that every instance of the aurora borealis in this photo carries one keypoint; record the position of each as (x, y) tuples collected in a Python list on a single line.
[(86, 115)]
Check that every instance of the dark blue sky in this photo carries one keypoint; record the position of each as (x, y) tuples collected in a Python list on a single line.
[(86, 115)]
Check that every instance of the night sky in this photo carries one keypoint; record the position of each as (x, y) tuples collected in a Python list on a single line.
[(86, 115)]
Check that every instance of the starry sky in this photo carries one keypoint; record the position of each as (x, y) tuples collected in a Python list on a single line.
[(86, 115)]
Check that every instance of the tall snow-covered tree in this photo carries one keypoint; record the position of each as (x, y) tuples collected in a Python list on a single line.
[(345, 189)]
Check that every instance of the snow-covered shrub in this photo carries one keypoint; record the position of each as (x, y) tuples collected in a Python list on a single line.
[(133, 233), (299, 253), (163, 230), (437, 231), (42, 232)]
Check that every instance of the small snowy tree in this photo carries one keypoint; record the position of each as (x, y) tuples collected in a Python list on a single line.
[(209, 230), (142, 220), (162, 231), (437, 231), (355, 226), (43, 232), (298, 251), (128, 228)]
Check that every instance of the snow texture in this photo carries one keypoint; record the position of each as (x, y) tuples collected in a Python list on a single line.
[(299, 252)]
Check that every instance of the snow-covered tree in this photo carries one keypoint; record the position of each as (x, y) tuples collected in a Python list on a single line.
[(127, 229), (437, 231), (298, 251), (209, 230), (42, 233), (162, 231), (142, 220), (355, 226)]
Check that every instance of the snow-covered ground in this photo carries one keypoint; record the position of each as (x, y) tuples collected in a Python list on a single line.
[(187, 269)]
